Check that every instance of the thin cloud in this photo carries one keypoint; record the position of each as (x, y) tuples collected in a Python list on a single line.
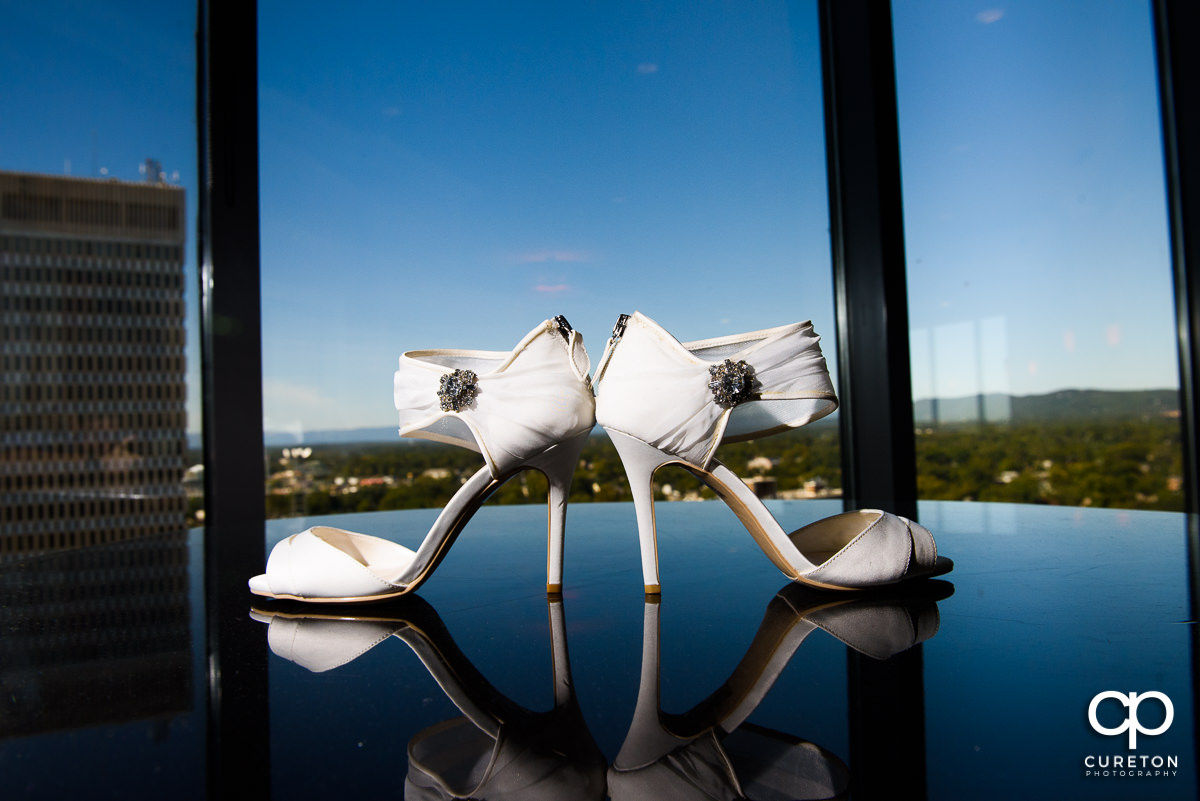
[(990, 15), (551, 289), (647, 68)]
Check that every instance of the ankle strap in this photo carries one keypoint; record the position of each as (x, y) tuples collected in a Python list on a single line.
[(687, 398), (508, 406)]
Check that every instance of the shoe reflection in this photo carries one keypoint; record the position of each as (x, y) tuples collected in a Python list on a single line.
[(710, 752), (497, 749)]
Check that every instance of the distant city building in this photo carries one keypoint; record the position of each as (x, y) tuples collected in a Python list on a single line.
[(92, 400)]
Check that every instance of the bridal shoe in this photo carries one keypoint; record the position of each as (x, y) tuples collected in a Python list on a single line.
[(531, 408), (496, 749), (665, 402)]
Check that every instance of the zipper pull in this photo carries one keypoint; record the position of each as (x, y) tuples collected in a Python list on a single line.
[(564, 327), (618, 330)]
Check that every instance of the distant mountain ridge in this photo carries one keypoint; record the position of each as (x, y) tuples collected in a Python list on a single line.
[(346, 436), (1062, 406), (340, 436)]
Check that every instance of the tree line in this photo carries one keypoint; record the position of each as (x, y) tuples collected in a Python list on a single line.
[(1133, 464)]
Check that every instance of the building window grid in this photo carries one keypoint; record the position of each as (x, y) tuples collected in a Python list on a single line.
[(93, 426)]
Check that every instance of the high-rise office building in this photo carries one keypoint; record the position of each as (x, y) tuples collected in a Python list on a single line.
[(92, 400), (92, 453)]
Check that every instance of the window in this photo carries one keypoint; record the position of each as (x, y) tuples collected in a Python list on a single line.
[(90, 92), (446, 176), (1039, 276)]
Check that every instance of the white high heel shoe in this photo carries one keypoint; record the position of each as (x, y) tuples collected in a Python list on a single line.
[(666, 402), (531, 408)]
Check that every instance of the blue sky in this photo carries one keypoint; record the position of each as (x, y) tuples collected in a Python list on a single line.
[(459, 176), (448, 175), (1035, 217)]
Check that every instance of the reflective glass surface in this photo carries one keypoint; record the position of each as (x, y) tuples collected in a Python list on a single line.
[(735, 683)]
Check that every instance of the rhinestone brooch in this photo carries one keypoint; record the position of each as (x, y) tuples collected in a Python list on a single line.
[(731, 383), (458, 390)]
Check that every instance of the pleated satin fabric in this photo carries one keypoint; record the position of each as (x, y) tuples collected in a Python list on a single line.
[(527, 399), (653, 387)]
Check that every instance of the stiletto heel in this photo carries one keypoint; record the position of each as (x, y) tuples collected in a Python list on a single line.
[(640, 461), (531, 408), (666, 402), (558, 465)]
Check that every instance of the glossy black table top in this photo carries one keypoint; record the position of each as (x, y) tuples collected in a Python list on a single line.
[(733, 683)]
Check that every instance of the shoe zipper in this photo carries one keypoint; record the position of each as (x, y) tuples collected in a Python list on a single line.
[(564, 327), (566, 330), (617, 332)]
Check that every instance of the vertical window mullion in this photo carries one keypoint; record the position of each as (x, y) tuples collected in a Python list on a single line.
[(231, 366), (867, 230)]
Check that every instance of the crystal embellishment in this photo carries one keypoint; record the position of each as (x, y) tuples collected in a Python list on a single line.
[(458, 390), (731, 383)]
